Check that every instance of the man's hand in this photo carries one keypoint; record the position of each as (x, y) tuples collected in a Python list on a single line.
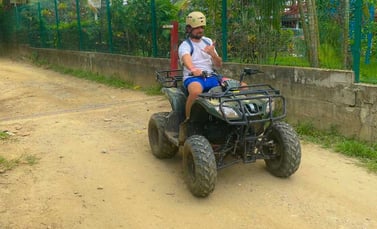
[(210, 49), (187, 61), (196, 71)]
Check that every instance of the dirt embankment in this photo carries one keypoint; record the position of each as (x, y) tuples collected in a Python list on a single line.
[(95, 168)]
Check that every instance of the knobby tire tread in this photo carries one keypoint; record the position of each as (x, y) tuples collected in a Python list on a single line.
[(290, 150), (203, 181)]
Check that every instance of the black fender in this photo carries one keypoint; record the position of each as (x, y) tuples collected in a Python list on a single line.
[(176, 98)]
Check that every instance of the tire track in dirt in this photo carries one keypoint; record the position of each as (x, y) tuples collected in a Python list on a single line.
[(85, 108)]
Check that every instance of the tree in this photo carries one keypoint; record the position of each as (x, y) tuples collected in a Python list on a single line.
[(309, 21), (137, 25), (345, 43), (254, 26)]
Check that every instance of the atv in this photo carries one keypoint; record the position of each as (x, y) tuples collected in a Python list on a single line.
[(227, 125)]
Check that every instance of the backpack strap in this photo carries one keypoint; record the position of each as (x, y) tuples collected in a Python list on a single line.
[(192, 46)]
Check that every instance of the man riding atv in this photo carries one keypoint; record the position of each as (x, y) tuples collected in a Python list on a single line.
[(219, 122), (198, 54)]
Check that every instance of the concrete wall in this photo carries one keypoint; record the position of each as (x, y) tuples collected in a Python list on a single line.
[(139, 70), (326, 98)]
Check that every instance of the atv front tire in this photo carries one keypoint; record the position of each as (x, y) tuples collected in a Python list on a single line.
[(286, 148), (199, 166), (160, 144)]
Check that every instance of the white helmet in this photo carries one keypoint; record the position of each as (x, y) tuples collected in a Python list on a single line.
[(196, 19)]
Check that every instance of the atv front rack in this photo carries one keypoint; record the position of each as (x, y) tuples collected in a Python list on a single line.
[(256, 103)]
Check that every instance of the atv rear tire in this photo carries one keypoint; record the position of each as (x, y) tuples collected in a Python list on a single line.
[(199, 166), (287, 149), (160, 144)]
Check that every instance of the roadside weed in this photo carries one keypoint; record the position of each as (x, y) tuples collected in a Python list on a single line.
[(3, 135), (363, 151), (9, 164)]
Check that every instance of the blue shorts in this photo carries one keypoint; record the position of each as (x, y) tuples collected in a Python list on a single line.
[(207, 83)]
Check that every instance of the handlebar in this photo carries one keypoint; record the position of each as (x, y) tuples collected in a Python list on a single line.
[(249, 72), (204, 74)]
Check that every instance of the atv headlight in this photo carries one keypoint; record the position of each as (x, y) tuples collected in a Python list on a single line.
[(228, 112), (270, 108)]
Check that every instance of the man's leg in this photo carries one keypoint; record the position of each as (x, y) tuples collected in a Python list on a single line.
[(194, 89)]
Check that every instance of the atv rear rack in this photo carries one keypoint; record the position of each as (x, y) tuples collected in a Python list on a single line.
[(170, 78)]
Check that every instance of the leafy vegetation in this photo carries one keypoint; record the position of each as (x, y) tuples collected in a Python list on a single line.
[(365, 152), (254, 29)]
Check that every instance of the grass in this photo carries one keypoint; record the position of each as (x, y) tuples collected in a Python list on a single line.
[(365, 152), (291, 61), (113, 81), (368, 72), (6, 164), (3, 135), (153, 90), (330, 59), (102, 79)]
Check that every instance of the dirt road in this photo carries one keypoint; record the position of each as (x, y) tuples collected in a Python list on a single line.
[(95, 168)]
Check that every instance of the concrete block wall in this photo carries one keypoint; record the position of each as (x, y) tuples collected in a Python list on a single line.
[(326, 98), (139, 70)]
